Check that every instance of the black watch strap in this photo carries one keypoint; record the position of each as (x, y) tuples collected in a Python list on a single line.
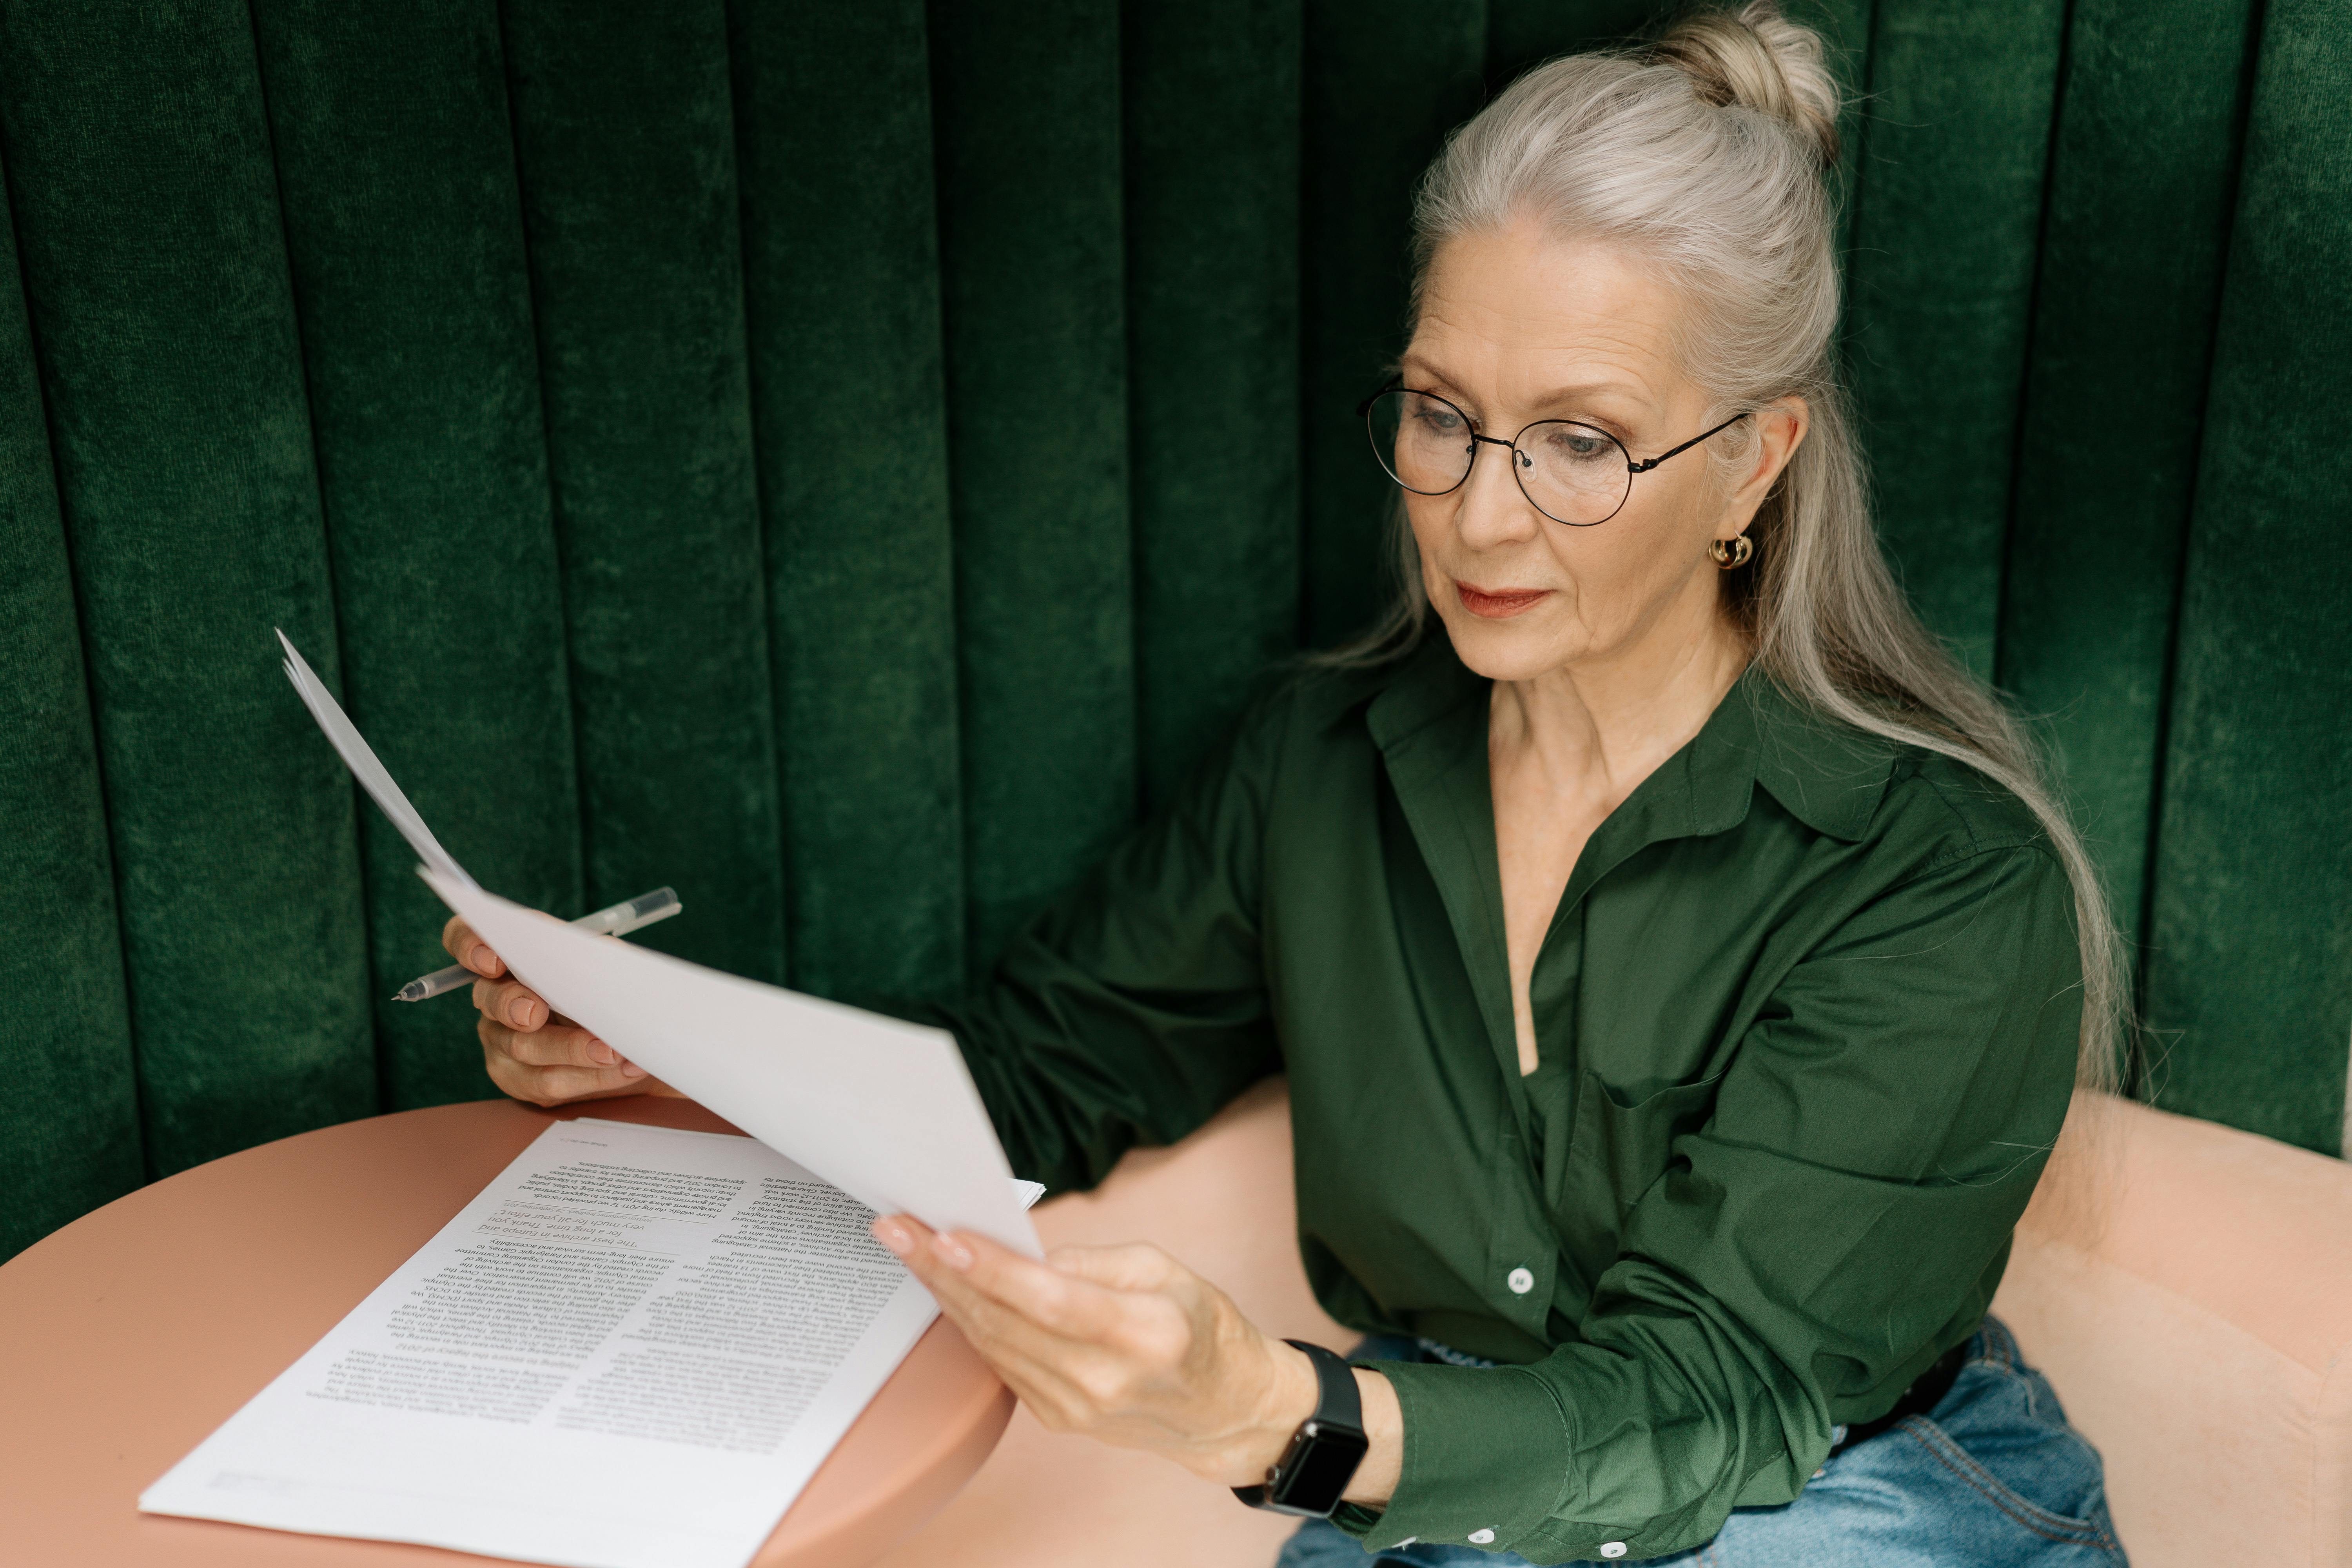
[(1335, 1396), (1325, 1451)]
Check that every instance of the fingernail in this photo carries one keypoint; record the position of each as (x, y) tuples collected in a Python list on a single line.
[(893, 1237), (631, 1069), (485, 961), (602, 1054), (521, 1011), (952, 1252)]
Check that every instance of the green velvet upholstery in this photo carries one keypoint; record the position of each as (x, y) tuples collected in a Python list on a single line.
[(1383, 80), (68, 1025), (2114, 397), (847, 461), (163, 328), (1032, 256), (833, 126), (1940, 284), (414, 306), (1212, 118), (623, 142), (2250, 962)]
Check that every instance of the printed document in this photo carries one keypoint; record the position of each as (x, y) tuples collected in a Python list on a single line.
[(631, 1350), (636, 1345)]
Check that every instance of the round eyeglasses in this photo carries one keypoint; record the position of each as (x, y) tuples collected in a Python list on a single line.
[(1571, 472)]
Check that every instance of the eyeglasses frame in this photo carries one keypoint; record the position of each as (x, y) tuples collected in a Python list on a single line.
[(1633, 465)]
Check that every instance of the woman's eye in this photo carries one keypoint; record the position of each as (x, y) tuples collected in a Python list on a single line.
[(1440, 421), (1580, 445)]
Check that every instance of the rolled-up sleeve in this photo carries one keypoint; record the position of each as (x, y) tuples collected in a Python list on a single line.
[(1839, 1220)]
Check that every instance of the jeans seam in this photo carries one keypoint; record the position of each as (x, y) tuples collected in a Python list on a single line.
[(2027, 1384), (2032, 1515), (2018, 1375)]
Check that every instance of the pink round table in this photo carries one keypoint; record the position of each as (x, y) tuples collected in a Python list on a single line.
[(136, 1330)]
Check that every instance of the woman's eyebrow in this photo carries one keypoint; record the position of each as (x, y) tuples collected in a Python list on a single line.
[(1437, 380), (1583, 391), (1410, 369)]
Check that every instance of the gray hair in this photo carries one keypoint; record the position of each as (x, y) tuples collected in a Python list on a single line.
[(1706, 153)]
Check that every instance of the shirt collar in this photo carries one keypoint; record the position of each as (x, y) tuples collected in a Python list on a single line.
[(1828, 775), (1428, 684)]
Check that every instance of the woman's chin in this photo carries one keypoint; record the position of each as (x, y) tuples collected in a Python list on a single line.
[(1516, 647)]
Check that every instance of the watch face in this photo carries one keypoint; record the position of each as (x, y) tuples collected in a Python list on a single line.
[(1321, 1462)]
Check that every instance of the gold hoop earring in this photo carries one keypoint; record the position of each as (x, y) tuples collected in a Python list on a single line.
[(1731, 554)]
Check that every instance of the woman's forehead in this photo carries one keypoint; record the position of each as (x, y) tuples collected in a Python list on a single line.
[(1518, 314)]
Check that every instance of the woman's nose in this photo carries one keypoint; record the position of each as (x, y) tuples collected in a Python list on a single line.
[(1493, 510)]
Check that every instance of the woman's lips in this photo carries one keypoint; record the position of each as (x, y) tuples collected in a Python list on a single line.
[(1498, 603)]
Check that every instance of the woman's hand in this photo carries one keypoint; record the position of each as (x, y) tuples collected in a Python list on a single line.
[(533, 1052), (1126, 1344)]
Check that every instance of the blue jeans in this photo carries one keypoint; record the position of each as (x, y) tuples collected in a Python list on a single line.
[(1991, 1477)]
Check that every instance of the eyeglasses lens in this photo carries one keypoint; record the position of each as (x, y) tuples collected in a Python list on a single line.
[(1573, 473), (1423, 442)]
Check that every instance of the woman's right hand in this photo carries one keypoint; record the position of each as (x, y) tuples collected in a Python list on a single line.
[(533, 1052)]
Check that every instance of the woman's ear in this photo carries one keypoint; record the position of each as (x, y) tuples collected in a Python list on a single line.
[(1780, 427)]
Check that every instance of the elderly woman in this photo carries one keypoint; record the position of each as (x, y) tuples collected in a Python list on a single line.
[(1680, 974)]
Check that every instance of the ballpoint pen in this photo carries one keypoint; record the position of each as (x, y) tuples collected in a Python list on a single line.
[(619, 920)]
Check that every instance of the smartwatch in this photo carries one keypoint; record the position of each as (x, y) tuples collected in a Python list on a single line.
[(1321, 1460)]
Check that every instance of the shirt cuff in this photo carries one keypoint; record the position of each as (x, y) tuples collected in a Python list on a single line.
[(1486, 1457)]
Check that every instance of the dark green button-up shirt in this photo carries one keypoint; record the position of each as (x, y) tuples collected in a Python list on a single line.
[(1807, 1016)]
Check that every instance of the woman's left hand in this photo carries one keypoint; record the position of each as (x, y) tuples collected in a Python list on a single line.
[(1126, 1344)]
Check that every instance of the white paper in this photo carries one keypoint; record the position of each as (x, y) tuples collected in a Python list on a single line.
[(631, 1350), (884, 1110), (360, 757)]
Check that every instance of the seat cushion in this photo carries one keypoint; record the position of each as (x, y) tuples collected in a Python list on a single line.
[(2197, 1322)]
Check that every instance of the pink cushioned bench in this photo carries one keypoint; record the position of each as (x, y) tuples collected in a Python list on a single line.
[(2201, 1336)]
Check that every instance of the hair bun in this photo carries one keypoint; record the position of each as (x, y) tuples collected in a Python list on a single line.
[(1758, 58)]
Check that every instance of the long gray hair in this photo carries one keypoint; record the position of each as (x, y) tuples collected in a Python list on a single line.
[(1706, 153)]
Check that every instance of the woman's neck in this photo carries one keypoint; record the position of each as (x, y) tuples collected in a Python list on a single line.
[(1596, 728), (1566, 748)]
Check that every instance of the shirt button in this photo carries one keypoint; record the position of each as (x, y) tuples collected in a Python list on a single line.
[(1612, 1549), (1520, 1281), (1481, 1536)]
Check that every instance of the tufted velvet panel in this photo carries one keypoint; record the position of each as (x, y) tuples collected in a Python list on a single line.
[(848, 462)]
